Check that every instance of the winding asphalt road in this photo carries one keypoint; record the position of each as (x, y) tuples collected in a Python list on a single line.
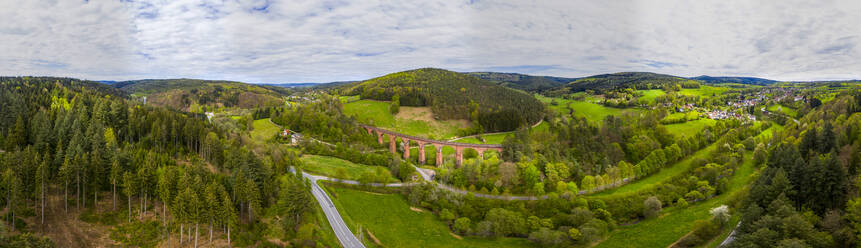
[(345, 236)]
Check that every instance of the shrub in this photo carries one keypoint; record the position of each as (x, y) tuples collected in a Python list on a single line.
[(681, 202), (461, 225), (651, 207), (548, 238), (574, 234), (720, 214)]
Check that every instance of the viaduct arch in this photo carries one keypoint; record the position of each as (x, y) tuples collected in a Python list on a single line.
[(438, 144)]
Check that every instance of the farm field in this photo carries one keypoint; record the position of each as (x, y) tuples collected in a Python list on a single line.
[(264, 129), (417, 121), (329, 166), (704, 90), (783, 109), (499, 137), (689, 127), (651, 95), (395, 224), (591, 111)]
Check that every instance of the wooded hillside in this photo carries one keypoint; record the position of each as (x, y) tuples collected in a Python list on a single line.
[(453, 95), (198, 96)]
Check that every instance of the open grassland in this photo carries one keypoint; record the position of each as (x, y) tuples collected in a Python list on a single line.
[(488, 139), (417, 121), (348, 99), (704, 90), (391, 220), (651, 95), (689, 127), (676, 222), (591, 111), (783, 109), (264, 129), (329, 166), (499, 137)]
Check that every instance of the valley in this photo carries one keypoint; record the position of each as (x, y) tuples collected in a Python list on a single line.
[(584, 174)]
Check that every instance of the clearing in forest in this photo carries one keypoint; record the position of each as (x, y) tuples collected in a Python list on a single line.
[(416, 121)]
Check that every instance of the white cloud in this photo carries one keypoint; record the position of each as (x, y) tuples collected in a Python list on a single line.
[(298, 41)]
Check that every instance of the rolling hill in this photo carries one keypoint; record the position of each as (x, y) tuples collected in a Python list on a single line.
[(193, 95), (522, 81), (452, 95), (638, 80)]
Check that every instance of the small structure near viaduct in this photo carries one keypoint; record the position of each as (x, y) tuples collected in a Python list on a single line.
[(406, 139)]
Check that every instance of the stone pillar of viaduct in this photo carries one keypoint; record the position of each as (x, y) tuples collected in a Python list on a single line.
[(458, 147), (421, 152), (406, 148), (438, 155)]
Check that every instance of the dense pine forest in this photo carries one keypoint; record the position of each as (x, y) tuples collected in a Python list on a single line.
[(81, 150), (807, 193)]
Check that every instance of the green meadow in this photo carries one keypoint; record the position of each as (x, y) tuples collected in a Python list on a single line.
[(395, 224), (412, 120), (264, 129), (651, 95), (329, 166), (587, 109), (689, 127)]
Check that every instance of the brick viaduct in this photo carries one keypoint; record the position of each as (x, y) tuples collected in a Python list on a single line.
[(458, 147)]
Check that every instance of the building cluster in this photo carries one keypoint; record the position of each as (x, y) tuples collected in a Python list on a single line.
[(721, 114)]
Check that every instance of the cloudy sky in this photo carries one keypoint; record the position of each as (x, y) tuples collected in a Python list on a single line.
[(322, 41)]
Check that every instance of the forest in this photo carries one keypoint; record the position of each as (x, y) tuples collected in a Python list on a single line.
[(77, 150)]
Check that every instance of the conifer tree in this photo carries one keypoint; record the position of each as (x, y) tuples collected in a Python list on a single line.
[(129, 189)]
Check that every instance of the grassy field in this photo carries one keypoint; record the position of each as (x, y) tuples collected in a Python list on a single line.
[(498, 138), (689, 127), (417, 121), (488, 139), (391, 220), (347, 99), (676, 222), (651, 95), (264, 129), (704, 90), (591, 111), (782, 109), (328, 166)]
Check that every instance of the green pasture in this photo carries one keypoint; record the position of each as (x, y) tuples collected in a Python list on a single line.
[(377, 113), (704, 90), (391, 220), (329, 166), (651, 95), (264, 129), (782, 109), (689, 127)]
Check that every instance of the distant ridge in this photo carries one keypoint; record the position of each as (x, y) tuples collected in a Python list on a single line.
[(522, 81), (293, 85), (739, 80)]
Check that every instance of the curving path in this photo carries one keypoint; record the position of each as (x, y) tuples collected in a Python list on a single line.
[(345, 236)]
